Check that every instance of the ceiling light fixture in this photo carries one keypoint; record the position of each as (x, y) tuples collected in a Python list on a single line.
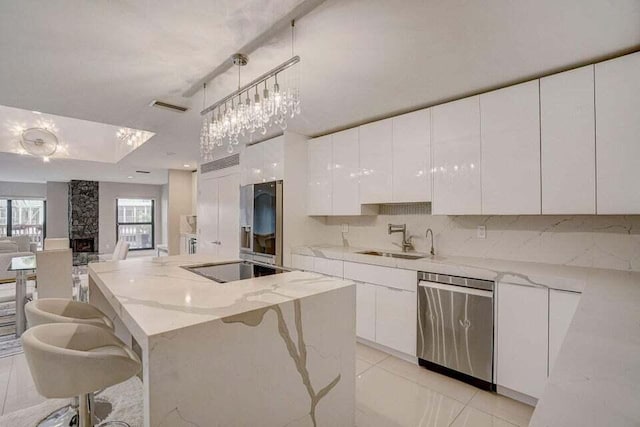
[(186, 166), (39, 142), (131, 137), (238, 115)]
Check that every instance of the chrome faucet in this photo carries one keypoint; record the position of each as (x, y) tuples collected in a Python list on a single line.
[(406, 242), (430, 231)]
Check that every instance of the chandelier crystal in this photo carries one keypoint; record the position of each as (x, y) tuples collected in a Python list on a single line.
[(254, 108)]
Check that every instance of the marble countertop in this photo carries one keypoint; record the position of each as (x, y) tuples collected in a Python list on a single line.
[(596, 377), (155, 295)]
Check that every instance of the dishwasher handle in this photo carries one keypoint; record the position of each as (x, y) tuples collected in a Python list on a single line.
[(454, 288)]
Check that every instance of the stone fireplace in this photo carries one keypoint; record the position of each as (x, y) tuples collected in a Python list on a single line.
[(83, 220)]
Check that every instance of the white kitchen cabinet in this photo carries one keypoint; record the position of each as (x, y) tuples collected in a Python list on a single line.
[(346, 173), (366, 311), (510, 123), (302, 262), (385, 276), (219, 216), (568, 146), (522, 338), (396, 319), (273, 159), (455, 142), (319, 176), (617, 89), (251, 164), (330, 267), (412, 157), (562, 307), (376, 162)]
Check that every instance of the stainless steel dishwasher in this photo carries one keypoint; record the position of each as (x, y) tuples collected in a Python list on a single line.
[(455, 327)]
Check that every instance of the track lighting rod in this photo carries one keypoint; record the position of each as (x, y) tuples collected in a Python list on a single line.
[(287, 64)]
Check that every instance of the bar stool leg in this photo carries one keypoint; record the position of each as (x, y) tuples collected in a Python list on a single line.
[(85, 410)]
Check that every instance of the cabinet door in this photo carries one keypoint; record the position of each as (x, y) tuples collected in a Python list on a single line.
[(229, 216), (455, 143), (302, 262), (618, 135), (412, 157), (562, 307), (319, 156), (366, 311), (376, 162), (522, 346), (396, 319), (346, 180), (252, 164), (568, 145), (208, 217), (273, 159), (510, 123)]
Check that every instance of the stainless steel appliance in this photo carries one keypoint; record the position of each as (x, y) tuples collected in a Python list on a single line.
[(234, 271), (455, 327), (261, 222)]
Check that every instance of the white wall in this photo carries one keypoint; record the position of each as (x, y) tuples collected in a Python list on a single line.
[(179, 203), (602, 241), (57, 209), (22, 189), (164, 211), (109, 192)]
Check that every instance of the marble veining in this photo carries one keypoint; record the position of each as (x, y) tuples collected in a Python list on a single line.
[(299, 355)]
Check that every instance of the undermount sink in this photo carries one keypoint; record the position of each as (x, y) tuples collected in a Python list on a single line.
[(392, 255)]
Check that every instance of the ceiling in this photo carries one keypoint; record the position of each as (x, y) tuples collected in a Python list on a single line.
[(361, 60)]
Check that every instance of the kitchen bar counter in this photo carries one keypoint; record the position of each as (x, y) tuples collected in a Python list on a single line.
[(262, 351), (596, 377)]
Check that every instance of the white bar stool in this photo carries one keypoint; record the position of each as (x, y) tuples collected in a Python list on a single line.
[(61, 310), (67, 360)]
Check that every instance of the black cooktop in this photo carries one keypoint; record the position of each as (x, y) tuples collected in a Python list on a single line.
[(234, 271)]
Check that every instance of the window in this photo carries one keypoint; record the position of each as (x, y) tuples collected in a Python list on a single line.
[(135, 223), (23, 217)]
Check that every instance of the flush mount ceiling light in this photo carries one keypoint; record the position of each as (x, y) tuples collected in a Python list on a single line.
[(244, 112), (133, 137), (39, 142)]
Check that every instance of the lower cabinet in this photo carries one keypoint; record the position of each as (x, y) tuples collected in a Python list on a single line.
[(562, 307), (522, 338), (366, 311), (302, 262), (396, 319)]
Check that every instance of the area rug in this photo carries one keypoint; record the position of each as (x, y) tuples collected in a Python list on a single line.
[(125, 398)]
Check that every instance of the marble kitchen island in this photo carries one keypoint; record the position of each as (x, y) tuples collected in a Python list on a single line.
[(271, 351)]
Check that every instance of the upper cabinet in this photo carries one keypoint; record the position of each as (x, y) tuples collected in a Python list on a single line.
[(319, 162), (411, 177), (263, 162), (617, 89), (568, 145), (376, 162), (346, 168), (510, 139), (455, 162)]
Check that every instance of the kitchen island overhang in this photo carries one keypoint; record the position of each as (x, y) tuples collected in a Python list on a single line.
[(272, 350)]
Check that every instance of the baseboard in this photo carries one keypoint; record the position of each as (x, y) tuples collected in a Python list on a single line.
[(516, 395), (392, 352)]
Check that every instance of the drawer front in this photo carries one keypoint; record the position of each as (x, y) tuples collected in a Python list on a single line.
[(330, 267), (302, 262), (385, 276)]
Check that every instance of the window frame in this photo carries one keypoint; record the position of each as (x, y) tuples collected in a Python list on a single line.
[(10, 220), (152, 223)]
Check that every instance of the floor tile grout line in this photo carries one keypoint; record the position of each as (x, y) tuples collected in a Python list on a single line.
[(456, 417), (6, 390)]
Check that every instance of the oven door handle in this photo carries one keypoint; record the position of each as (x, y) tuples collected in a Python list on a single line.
[(453, 288)]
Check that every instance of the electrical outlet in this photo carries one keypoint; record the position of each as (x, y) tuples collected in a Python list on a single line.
[(482, 232), (345, 228)]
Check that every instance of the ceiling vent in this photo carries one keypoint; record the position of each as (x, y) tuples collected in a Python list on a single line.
[(167, 106), (143, 172)]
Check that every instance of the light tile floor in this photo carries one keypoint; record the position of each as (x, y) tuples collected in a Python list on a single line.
[(389, 392)]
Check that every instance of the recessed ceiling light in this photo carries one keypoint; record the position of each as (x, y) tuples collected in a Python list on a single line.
[(130, 177), (186, 165), (45, 159), (36, 112)]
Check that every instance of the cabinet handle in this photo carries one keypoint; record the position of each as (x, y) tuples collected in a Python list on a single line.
[(217, 242)]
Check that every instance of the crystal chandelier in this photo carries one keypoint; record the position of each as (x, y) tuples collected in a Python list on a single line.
[(245, 111), (253, 108), (131, 137)]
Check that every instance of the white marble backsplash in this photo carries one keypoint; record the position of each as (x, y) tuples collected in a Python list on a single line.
[(605, 241)]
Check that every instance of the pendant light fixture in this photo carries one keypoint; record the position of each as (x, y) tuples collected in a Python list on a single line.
[(239, 114)]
